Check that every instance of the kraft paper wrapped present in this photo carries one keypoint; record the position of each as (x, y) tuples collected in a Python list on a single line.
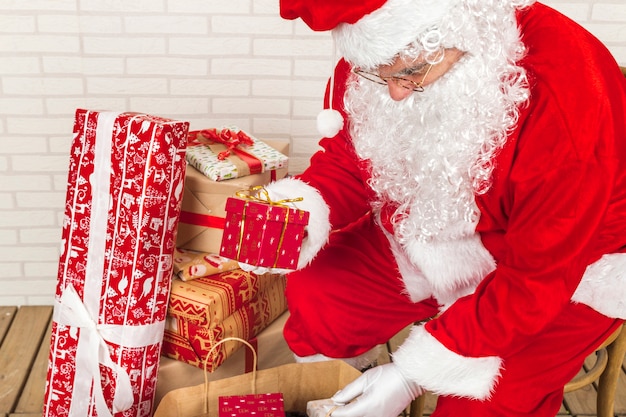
[(189, 265), (319, 408), (223, 154), (190, 342), (266, 405), (263, 233), (202, 217), (124, 193), (207, 301)]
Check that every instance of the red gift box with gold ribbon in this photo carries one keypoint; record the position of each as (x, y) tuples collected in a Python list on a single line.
[(123, 200), (262, 232)]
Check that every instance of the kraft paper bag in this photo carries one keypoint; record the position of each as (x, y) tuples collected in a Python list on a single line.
[(298, 382)]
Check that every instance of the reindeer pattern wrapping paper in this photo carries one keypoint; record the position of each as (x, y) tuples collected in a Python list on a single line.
[(123, 200)]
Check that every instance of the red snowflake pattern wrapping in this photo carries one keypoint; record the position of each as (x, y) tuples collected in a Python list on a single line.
[(125, 184)]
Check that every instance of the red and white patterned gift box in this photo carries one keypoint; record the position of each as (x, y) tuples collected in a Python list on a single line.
[(190, 265), (124, 191)]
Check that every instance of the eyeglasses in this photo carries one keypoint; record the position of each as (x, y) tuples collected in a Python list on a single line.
[(402, 82)]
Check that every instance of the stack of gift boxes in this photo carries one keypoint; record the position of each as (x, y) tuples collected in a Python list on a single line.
[(204, 310), (140, 258), (211, 297)]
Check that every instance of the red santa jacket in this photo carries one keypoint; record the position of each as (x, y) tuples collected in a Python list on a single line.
[(554, 220)]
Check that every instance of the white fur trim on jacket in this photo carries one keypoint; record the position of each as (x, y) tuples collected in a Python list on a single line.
[(319, 227), (452, 267), (423, 359), (603, 286), (416, 285)]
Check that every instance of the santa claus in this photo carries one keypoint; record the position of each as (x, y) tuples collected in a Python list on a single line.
[(475, 185)]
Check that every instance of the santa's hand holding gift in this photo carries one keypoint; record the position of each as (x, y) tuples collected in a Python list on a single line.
[(476, 182)]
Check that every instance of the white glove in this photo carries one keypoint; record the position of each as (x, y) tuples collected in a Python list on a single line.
[(380, 392)]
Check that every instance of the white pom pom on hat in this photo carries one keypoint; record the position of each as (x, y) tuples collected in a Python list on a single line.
[(322, 15), (329, 122)]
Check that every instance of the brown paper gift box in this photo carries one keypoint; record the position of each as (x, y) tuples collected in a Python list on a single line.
[(201, 223), (207, 301), (202, 315), (190, 343)]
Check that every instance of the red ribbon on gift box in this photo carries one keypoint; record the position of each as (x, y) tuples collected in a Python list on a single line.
[(233, 140), (196, 219)]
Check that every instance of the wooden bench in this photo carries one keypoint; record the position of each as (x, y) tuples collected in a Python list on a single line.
[(24, 347)]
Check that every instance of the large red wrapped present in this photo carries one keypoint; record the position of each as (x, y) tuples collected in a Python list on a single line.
[(190, 342), (202, 217), (124, 192), (261, 232)]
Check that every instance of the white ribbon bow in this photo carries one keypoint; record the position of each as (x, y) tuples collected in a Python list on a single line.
[(91, 352)]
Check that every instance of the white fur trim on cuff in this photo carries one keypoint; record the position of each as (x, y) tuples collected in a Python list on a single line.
[(603, 286), (426, 361), (319, 227)]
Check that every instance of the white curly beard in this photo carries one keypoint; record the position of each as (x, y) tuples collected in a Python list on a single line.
[(431, 152)]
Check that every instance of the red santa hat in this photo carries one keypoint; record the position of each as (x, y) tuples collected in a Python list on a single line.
[(369, 33)]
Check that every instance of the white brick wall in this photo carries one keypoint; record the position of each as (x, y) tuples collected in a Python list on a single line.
[(209, 62)]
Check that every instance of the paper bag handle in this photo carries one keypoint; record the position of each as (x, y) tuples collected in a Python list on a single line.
[(206, 361)]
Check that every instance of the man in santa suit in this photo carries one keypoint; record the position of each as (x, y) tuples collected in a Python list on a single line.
[(477, 188)]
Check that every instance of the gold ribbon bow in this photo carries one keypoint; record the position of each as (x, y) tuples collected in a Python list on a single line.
[(259, 194)]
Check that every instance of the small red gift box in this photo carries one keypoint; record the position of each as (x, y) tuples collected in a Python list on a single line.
[(267, 405), (263, 233)]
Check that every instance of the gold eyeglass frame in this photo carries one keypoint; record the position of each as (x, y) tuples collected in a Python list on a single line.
[(402, 82)]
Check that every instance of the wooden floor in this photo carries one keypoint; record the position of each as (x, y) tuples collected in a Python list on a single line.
[(24, 346)]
